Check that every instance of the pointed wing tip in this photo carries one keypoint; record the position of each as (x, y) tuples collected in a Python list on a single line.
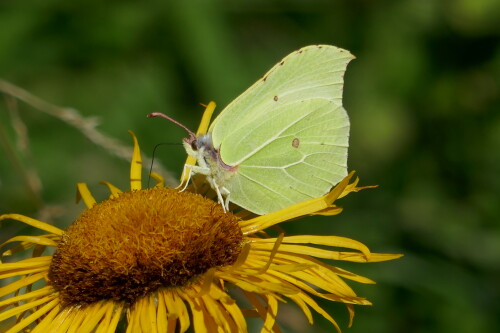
[(348, 54)]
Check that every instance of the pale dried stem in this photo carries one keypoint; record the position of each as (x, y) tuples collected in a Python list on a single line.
[(87, 126), (19, 167), (29, 173)]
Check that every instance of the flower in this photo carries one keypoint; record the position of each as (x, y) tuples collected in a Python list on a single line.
[(162, 260)]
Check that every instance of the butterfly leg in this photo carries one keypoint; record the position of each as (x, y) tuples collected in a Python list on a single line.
[(198, 169), (185, 180), (192, 170), (226, 193), (219, 195), (220, 191)]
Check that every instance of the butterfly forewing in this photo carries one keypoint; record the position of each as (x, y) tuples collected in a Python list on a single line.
[(312, 72)]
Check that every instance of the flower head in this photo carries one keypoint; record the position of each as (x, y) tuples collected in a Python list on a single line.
[(162, 260), (125, 247)]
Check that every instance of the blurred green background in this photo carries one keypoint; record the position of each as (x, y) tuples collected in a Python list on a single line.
[(423, 97)]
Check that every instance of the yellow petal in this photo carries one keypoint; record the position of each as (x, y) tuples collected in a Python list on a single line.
[(219, 294), (303, 306), (325, 278), (134, 318), (160, 181), (276, 245), (234, 310), (161, 313), (323, 269), (175, 305), (34, 223), (199, 323), (27, 306), (26, 263), (215, 310), (34, 316), (38, 293), (47, 323), (231, 325), (89, 324), (310, 302), (259, 285), (208, 278), (352, 188), (29, 240), (135, 166), (290, 268), (23, 271), (25, 281), (116, 317), (350, 308), (272, 311), (306, 250), (83, 192), (24, 267), (338, 290), (148, 315), (338, 189), (115, 191), (378, 257), (260, 310), (335, 241), (106, 320), (205, 120), (80, 314), (330, 211), (64, 319)]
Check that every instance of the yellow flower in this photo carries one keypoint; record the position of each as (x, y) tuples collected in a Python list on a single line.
[(160, 260)]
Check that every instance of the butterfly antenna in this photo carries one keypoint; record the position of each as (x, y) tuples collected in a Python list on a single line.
[(153, 157), (192, 136)]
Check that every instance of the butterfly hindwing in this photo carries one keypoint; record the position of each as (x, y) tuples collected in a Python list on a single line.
[(302, 160)]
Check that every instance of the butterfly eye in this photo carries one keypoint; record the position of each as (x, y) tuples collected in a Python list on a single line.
[(194, 146)]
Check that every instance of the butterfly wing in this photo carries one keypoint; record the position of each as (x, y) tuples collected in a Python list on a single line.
[(288, 133)]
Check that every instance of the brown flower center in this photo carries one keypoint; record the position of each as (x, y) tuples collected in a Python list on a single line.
[(126, 247)]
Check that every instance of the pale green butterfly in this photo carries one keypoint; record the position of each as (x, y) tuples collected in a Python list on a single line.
[(282, 141)]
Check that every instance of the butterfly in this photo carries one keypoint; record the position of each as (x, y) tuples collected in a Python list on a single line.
[(284, 140)]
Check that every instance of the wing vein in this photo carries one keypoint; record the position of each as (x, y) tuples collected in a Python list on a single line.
[(266, 187), (302, 160), (276, 136)]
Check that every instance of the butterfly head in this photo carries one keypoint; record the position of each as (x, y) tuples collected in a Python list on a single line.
[(201, 147)]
